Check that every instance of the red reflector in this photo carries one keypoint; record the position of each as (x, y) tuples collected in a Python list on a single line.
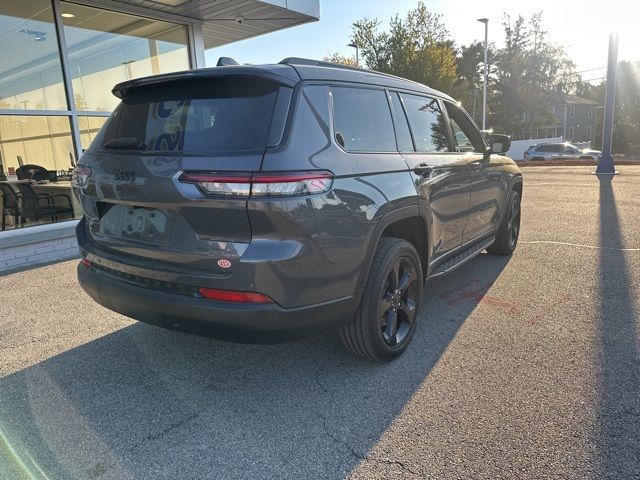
[(231, 296), (85, 262)]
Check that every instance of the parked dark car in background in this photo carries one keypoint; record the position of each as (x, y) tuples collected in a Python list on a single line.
[(267, 203), (547, 151)]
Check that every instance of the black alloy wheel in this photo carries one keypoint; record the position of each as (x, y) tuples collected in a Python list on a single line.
[(386, 321)]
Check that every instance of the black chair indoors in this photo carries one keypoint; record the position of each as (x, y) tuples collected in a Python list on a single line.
[(35, 173), (9, 205), (23, 203)]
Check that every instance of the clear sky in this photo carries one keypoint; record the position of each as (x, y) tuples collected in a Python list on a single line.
[(571, 23)]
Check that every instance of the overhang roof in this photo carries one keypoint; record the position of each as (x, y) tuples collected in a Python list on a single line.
[(227, 21)]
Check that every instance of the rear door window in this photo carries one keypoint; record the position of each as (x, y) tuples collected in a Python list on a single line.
[(427, 123), (219, 115), (362, 120)]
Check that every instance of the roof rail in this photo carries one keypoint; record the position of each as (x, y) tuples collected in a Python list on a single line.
[(316, 63), (320, 63)]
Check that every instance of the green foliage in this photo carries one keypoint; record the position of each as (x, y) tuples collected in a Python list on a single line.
[(626, 132), (526, 71), (417, 47), (340, 59), (523, 74), (470, 77)]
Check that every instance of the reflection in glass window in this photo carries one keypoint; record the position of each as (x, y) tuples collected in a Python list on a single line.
[(363, 120), (35, 140), (461, 140), (89, 128), (405, 143), (31, 74), (427, 123), (219, 115), (106, 48), (35, 170), (466, 136)]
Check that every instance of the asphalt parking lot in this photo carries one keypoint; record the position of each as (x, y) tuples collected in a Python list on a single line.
[(527, 367)]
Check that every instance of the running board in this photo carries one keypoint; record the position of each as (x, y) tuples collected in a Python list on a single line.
[(462, 258)]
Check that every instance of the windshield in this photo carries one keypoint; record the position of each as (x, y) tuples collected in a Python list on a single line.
[(217, 115)]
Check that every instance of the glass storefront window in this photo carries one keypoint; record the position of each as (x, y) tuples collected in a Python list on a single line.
[(106, 48), (37, 150), (31, 72), (89, 128), (36, 157)]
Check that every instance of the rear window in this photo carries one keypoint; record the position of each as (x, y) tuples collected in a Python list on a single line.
[(200, 117), (551, 148)]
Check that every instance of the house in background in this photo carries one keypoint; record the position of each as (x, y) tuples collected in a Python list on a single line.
[(574, 119)]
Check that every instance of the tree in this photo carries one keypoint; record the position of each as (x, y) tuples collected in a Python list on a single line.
[(417, 47), (341, 59), (626, 124), (626, 131), (528, 69), (470, 77)]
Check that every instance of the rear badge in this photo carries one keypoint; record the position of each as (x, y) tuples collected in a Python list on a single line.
[(224, 263)]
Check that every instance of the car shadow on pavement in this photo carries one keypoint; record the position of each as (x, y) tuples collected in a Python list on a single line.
[(618, 438), (143, 402)]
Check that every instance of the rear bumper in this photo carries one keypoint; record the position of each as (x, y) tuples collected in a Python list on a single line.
[(245, 323)]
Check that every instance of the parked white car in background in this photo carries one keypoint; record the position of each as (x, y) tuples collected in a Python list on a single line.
[(547, 151)]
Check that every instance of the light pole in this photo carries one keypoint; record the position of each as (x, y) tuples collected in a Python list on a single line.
[(355, 45), (605, 163), (486, 72)]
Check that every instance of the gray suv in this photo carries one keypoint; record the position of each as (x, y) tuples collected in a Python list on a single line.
[(548, 151), (267, 203)]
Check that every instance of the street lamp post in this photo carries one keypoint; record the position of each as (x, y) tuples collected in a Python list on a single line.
[(605, 163), (486, 72), (355, 45)]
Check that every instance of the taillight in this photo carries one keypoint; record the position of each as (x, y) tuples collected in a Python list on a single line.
[(261, 184), (219, 184), (234, 296), (305, 183), (80, 175), (85, 262)]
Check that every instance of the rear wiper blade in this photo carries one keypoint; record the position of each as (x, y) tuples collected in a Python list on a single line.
[(126, 142)]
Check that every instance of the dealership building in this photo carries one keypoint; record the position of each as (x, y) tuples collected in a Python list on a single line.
[(58, 63)]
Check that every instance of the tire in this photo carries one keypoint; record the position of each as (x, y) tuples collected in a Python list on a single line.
[(509, 230), (371, 333)]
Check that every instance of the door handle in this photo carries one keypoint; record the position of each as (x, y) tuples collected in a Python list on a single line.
[(423, 169)]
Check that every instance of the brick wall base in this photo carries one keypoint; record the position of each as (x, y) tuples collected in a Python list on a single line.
[(35, 248)]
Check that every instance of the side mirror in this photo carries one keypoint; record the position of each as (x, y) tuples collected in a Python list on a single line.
[(500, 143)]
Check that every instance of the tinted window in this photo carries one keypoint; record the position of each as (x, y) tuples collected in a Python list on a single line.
[(466, 136), (405, 143), (427, 123), (222, 115), (363, 120)]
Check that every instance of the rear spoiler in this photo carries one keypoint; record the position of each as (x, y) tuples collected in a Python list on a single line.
[(282, 75)]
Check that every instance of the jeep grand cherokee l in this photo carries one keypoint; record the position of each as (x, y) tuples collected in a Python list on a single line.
[(266, 203)]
